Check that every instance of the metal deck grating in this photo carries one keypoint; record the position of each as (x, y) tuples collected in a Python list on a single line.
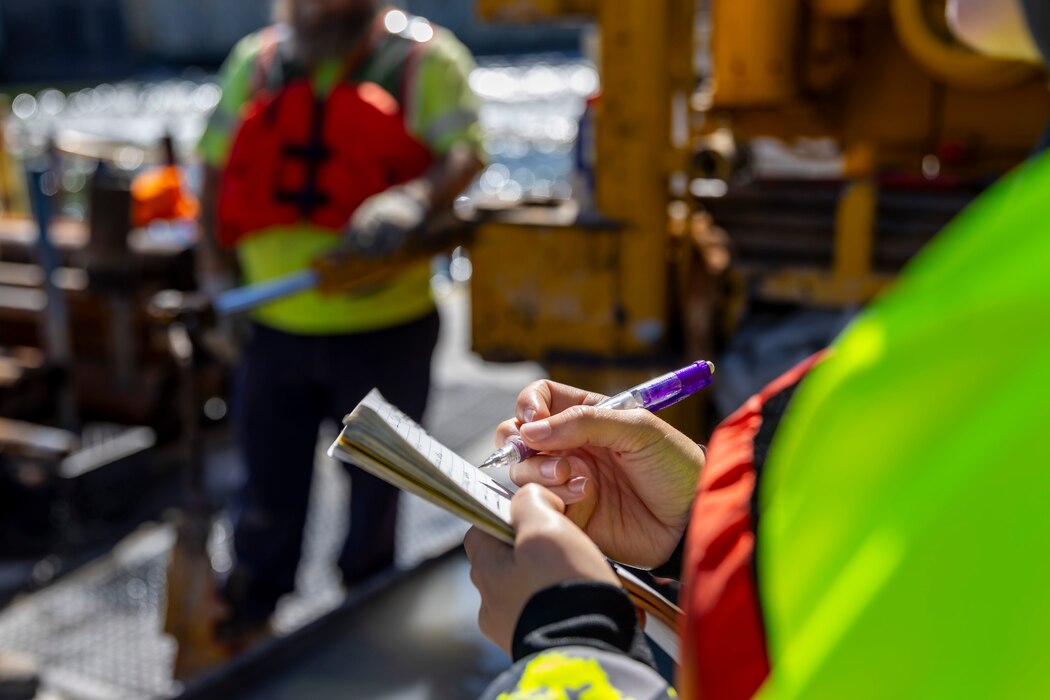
[(97, 634)]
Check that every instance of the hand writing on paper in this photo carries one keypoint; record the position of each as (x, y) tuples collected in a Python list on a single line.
[(627, 478)]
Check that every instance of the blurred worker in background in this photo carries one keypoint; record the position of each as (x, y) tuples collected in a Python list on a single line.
[(890, 545), (344, 127)]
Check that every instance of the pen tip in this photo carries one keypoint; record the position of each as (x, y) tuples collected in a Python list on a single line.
[(710, 366)]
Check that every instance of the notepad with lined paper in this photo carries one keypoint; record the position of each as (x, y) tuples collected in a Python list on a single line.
[(382, 440)]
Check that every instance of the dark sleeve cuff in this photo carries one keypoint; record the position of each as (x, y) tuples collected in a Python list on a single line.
[(580, 613)]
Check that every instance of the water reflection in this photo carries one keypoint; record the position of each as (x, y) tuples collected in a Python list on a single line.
[(529, 111)]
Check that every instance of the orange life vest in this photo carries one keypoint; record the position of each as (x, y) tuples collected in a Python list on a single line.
[(300, 157)]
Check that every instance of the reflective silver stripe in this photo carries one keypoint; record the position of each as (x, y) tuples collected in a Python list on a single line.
[(603, 674), (450, 122)]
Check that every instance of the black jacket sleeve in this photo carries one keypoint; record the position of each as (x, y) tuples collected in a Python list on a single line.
[(580, 613)]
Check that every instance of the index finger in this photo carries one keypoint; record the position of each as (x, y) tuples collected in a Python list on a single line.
[(545, 398)]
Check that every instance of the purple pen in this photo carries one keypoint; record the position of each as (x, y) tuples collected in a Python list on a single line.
[(655, 395)]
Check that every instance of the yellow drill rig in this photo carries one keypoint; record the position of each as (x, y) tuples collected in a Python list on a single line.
[(915, 124)]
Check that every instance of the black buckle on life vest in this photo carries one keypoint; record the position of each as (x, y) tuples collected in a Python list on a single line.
[(313, 153)]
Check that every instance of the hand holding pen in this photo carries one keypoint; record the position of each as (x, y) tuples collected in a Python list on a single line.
[(627, 477), (655, 394)]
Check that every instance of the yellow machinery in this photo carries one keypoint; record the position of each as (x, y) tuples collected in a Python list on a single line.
[(12, 189), (919, 120), (886, 81), (593, 302)]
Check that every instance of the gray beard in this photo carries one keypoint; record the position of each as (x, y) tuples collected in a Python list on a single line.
[(321, 39)]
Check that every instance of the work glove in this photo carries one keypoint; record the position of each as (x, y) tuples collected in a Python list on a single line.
[(383, 223)]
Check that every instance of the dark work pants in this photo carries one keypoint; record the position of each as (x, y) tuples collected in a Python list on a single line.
[(287, 385)]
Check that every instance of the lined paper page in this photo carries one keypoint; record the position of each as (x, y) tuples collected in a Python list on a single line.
[(463, 474)]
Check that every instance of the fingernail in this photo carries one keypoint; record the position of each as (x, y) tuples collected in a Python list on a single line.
[(536, 431), (577, 485), (549, 468), (528, 414)]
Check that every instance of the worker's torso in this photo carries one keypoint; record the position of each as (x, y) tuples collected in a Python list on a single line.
[(904, 521), (309, 149)]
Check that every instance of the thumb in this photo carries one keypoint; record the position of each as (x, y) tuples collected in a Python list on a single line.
[(534, 507), (548, 547)]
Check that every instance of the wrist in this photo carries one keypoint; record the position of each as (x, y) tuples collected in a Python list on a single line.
[(672, 568), (580, 613)]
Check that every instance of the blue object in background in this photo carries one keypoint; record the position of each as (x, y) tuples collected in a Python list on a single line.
[(63, 39)]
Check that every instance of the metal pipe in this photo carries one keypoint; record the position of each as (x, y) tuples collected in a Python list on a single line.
[(55, 326), (242, 299)]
